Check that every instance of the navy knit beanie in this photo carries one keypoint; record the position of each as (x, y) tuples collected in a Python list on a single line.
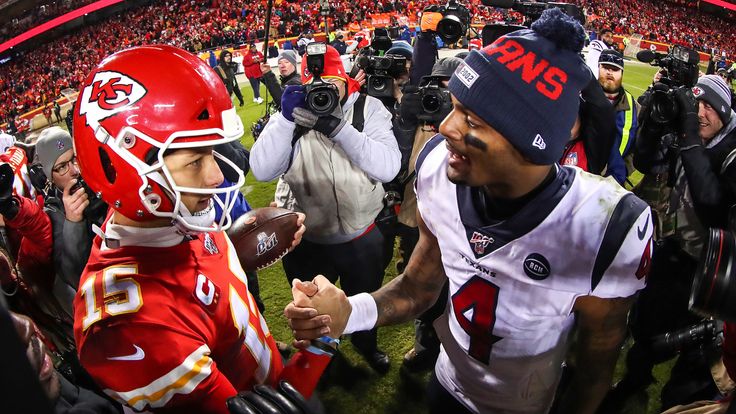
[(526, 85)]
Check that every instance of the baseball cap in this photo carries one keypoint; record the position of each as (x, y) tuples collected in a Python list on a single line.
[(611, 57)]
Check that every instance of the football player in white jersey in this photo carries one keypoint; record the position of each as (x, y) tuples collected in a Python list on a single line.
[(533, 252), (596, 47)]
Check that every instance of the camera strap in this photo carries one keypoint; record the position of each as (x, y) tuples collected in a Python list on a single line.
[(359, 113)]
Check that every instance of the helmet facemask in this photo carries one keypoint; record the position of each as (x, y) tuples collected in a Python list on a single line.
[(136, 105), (158, 173)]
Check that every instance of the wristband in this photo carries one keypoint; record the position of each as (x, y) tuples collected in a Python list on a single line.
[(329, 341), (364, 315)]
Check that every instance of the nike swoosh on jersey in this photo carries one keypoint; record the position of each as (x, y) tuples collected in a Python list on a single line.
[(642, 232), (137, 356)]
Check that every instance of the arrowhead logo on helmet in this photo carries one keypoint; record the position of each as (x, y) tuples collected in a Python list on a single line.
[(107, 94)]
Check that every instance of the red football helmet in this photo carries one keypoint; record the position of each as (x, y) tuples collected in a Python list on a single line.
[(135, 105)]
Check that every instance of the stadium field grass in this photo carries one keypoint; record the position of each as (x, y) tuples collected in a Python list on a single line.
[(350, 386)]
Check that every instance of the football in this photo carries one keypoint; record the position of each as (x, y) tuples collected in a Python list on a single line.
[(263, 242)]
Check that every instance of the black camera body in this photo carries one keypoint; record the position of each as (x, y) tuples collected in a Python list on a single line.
[(455, 20), (380, 73), (82, 184), (430, 103), (435, 99), (259, 125), (680, 69), (321, 97)]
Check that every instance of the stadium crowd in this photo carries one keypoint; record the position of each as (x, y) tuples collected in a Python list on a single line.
[(33, 79), (668, 22), (477, 185), (39, 14)]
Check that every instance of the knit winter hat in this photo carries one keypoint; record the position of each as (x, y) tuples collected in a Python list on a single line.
[(51, 144), (401, 48), (526, 85), (446, 66), (290, 56), (713, 89)]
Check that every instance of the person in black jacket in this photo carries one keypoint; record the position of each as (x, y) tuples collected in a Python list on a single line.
[(339, 44), (288, 76), (591, 147), (690, 183), (226, 70)]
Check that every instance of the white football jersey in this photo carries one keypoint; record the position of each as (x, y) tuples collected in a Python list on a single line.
[(594, 53), (513, 283)]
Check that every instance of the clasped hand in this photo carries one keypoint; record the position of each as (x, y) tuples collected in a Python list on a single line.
[(319, 308)]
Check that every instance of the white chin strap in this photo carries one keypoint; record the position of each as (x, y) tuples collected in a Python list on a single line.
[(187, 222)]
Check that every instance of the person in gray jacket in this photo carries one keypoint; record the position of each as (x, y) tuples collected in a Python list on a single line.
[(68, 203), (334, 171)]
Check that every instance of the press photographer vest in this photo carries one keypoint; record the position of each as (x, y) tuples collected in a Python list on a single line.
[(339, 199)]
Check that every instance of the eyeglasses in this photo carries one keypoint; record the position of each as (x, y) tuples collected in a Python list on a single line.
[(63, 167)]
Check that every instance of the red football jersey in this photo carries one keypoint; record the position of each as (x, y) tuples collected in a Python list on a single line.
[(172, 329)]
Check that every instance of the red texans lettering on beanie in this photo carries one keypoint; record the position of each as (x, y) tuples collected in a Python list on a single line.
[(550, 80)]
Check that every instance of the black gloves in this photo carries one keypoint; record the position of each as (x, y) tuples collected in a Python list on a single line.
[(689, 125), (328, 125), (410, 106), (8, 206), (264, 399)]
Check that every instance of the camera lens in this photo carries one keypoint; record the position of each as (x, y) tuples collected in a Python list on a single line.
[(714, 286), (378, 83), (322, 99), (702, 333), (450, 29), (430, 103), (664, 107)]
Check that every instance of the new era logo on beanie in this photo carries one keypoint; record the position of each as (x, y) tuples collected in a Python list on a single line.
[(526, 85)]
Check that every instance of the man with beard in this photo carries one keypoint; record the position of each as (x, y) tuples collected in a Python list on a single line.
[(596, 47), (611, 73), (496, 217)]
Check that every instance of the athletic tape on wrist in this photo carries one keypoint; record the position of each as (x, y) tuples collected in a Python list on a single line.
[(364, 314)]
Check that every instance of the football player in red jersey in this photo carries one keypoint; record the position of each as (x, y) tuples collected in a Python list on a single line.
[(163, 318)]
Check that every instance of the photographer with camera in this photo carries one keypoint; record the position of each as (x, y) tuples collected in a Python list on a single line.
[(71, 206), (27, 273), (423, 108), (334, 147), (386, 65), (226, 69), (684, 147)]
